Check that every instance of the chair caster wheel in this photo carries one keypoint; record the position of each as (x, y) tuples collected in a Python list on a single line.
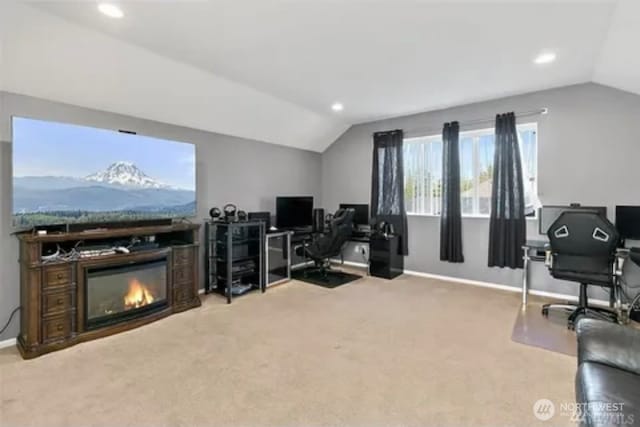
[(545, 311), (571, 326)]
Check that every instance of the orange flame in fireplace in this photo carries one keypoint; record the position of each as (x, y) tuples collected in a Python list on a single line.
[(137, 296)]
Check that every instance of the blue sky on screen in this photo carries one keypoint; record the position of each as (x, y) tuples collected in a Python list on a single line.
[(42, 148)]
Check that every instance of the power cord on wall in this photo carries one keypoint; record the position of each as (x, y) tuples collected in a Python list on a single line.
[(4, 328), (363, 252)]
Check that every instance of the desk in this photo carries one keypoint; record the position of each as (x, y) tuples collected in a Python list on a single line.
[(306, 236), (277, 257), (533, 250), (303, 238)]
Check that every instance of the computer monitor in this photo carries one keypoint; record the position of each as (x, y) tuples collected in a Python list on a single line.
[(548, 214), (628, 221), (294, 212), (362, 213)]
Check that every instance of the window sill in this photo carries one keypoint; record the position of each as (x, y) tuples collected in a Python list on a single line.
[(423, 215), (529, 218)]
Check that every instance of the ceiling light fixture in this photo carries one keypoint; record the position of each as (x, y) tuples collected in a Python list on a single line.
[(337, 107), (111, 10), (545, 58)]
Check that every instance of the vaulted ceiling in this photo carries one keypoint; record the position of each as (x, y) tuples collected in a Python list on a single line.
[(271, 69)]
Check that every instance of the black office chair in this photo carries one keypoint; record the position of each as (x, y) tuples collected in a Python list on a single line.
[(331, 244), (583, 246)]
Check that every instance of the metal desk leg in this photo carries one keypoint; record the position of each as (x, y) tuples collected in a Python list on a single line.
[(229, 249), (525, 276)]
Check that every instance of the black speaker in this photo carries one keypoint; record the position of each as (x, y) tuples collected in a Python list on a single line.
[(318, 220), (215, 213)]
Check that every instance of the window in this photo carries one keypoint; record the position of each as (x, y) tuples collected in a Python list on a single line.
[(423, 175), (423, 171)]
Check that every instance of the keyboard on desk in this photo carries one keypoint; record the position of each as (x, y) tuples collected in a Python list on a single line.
[(301, 230), (359, 234)]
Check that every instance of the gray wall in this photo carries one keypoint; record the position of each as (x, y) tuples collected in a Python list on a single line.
[(589, 149), (247, 173)]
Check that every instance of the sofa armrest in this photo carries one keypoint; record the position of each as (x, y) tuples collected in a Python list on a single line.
[(608, 344)]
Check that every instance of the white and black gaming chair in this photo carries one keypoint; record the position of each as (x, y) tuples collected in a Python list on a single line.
[(583, 247)]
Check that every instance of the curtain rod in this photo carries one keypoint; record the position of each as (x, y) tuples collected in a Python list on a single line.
[(423, 131)]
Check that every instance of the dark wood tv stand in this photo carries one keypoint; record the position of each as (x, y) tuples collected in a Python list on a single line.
[(52, 292)]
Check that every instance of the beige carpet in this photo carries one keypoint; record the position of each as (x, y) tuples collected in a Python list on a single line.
[(407, 352)]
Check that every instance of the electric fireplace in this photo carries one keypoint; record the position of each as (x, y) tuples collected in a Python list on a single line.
[(120, 293)]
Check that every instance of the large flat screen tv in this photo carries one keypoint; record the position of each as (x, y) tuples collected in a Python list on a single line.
[(66, 173)]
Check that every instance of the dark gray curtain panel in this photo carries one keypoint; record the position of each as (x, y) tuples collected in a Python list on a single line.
[(451, 216), (507, 229), (387, 183)]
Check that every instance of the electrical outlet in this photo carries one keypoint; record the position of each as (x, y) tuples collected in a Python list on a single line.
[(361, 249)]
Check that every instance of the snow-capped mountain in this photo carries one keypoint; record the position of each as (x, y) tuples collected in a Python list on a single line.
[(127, 174)]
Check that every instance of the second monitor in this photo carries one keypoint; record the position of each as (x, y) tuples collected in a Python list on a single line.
[(294, 212), (362, 213), (628, 221)]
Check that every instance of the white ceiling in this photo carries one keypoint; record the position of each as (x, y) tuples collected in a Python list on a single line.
[(380, 58), (619, 62)]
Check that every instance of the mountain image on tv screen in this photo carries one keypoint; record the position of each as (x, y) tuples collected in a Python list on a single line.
[(66, 174)]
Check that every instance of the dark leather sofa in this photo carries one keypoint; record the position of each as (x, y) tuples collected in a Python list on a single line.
[(608, 378)]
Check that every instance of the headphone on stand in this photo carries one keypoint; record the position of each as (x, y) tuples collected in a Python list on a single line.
[(230, 212)]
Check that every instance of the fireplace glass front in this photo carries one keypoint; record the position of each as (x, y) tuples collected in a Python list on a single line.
[(116, 294)]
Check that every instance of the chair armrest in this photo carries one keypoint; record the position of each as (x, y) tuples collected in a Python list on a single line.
[(608, 344), (622, 254)]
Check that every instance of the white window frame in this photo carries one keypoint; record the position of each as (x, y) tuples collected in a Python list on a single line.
[(473, 134), (424, 140)]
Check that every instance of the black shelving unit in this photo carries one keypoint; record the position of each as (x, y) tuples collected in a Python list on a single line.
[(235, 257)]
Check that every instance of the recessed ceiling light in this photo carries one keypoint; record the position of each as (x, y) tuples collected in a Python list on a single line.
[(111, 10), (545, 58), (337, 107)]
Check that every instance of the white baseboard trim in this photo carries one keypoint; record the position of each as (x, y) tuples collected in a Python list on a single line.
[(463, 281), (8, 343), (507, 288), (350, 263)]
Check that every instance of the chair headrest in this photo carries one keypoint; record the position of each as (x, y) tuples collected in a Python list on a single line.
[(344, 216), (584, 233)]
